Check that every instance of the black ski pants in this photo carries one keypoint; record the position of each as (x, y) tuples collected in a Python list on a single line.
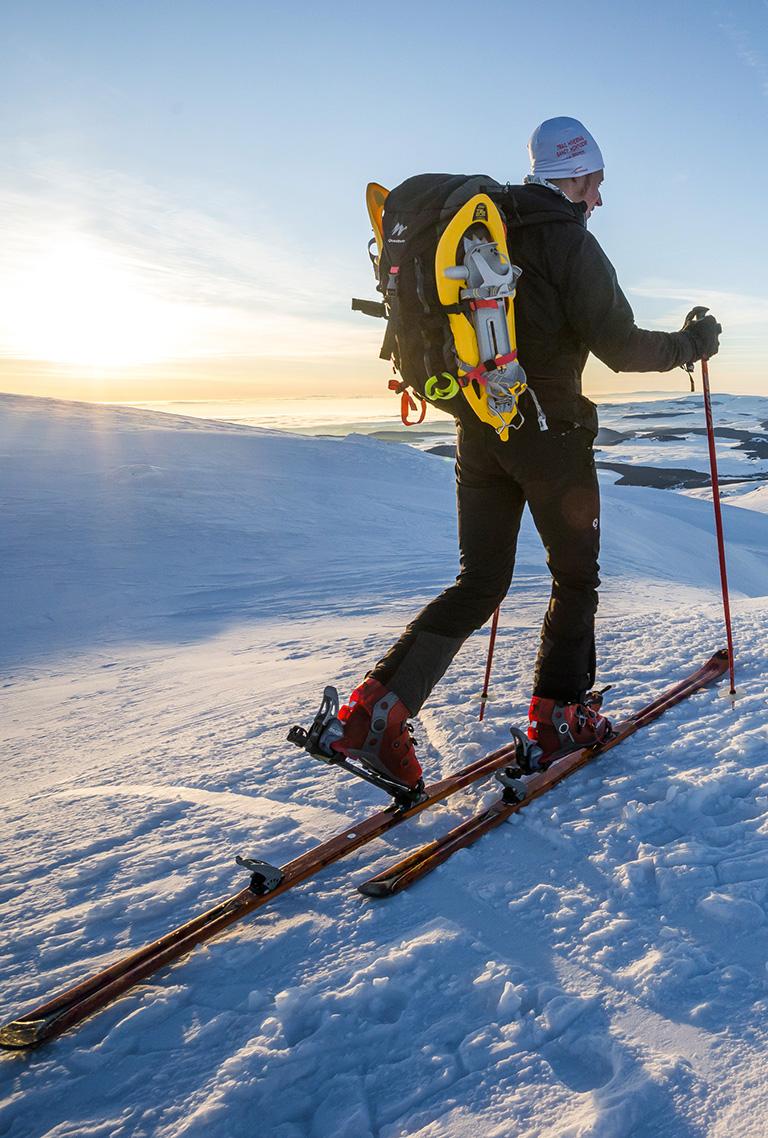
[(553, 472)]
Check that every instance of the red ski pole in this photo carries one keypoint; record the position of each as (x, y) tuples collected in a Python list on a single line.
[(698, 314), (718, 518), (489, 663)]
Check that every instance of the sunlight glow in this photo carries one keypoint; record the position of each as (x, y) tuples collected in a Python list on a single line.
[(111, 290), (71, 299), (76, 302)]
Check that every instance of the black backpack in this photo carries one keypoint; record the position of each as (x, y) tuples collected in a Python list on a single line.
[(442, 267)]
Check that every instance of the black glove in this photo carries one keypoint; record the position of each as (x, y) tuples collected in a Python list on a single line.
[(703, 332)]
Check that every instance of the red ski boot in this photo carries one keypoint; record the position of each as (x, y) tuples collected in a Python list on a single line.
[(557, 726), (376, 732)]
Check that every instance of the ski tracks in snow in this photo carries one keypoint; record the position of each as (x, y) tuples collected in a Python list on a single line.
[(596, 969)]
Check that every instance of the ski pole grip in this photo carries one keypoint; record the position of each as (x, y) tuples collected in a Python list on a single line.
[(697, 313)]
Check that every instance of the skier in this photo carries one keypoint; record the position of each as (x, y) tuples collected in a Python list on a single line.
[(568, 303)]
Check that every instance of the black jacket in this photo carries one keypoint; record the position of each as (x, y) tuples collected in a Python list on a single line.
[(569, 304)]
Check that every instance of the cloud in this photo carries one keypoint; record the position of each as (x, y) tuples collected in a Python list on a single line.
[(90, 263), (744, 318), (747, 53), (734, 309)]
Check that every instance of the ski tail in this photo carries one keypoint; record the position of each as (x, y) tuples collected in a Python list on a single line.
[(71, 1006)]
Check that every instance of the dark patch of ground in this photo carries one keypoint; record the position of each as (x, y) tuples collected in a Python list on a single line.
[(753, 444), (655, 414), (404, 435), (669, 478), (662, 436), (607, 437)]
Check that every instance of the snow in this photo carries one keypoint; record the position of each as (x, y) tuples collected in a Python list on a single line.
[(176, 592), (747, 495)]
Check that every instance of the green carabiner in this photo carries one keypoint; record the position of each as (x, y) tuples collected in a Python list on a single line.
[(444, 386)]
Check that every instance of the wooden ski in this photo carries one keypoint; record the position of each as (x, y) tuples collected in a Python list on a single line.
[(423, 860)]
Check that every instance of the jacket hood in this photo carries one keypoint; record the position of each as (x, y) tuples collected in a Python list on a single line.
[(538, 205)]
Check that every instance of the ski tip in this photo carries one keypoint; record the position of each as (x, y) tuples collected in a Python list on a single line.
[(22, 1033), (375, 888)]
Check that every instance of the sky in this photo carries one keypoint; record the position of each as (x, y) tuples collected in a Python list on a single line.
[(182, 199)]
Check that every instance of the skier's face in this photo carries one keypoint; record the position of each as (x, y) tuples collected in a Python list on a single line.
[(591, 192)]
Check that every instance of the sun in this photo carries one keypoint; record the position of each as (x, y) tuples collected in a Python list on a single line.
[(77, 302)]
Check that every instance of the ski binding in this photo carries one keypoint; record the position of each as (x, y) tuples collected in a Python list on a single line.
[(325, 729), (513, 783), (264, 877), (528, 760), (528, 754)]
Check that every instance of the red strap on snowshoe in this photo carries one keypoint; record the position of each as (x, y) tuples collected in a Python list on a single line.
[(480, 373)]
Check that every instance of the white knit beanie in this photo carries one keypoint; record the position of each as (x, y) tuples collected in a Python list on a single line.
[(563, 148)]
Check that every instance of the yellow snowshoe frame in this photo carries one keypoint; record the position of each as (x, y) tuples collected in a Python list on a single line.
[(375, 197), (478, 211)]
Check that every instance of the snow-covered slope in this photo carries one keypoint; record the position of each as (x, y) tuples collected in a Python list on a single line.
[(175, 594), (748, 495), (126, 525)]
